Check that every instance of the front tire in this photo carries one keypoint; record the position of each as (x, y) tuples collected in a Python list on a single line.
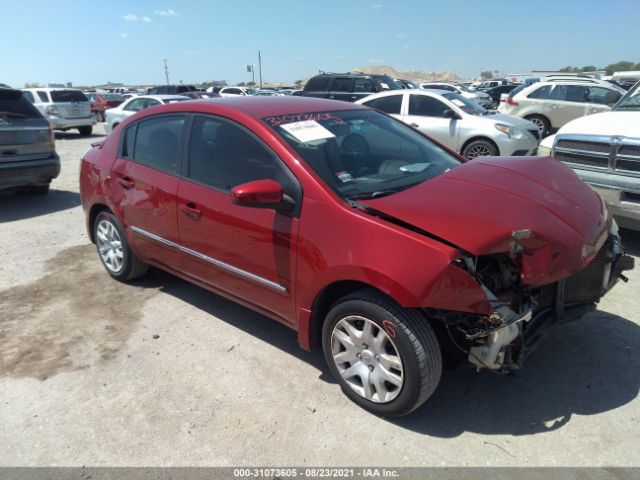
[(479, 148), (114, 250), (385, 358), (85, 131)]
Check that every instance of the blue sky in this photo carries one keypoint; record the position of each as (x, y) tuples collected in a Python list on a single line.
[(91, 42)]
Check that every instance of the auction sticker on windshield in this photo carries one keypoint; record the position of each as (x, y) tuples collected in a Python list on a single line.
[(307, 131)]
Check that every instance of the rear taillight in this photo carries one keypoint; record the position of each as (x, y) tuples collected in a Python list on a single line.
[(511, 101)]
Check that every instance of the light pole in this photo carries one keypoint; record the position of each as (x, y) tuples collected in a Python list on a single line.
[(166, 70), (260, 67)]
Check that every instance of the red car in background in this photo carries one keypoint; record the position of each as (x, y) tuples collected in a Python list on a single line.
[(103, 101), (362, 234)]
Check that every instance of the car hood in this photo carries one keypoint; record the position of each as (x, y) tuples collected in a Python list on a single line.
[(533, 208), (624, 124), (510, 120)]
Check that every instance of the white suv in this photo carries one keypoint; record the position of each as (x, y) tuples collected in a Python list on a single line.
[(553, 102), (65, 108)]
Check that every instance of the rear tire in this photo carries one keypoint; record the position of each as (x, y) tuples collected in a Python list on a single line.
[(541, 122), (85, 131), (386, 358), (114, 250)]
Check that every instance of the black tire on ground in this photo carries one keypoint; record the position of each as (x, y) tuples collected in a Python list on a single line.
[(100, 117), (85, 131), (479, 148), (413, 338), (132, 267), (541, 122), (34, 190)]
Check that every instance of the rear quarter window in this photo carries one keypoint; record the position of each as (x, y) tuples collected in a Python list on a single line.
[(318, 84), (390, 104), (14, 104), (157, 142)]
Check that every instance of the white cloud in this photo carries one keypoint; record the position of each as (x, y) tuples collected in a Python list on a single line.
[(377, 6), (124, 35), (147, 19), (130, 17), (166, 13)]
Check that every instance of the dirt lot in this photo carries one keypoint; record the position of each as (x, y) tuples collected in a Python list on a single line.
[(83, 381)]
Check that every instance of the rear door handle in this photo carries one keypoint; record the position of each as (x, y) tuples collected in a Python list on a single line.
[(126, 183), (190, 210), (415, 125)]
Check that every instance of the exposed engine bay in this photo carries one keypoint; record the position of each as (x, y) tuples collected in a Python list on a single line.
[(521, 314)]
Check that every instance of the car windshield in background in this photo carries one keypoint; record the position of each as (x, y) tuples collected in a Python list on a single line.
[(174, 100), (631, 101), (388, 84), (362, 153), (63, 96), (13, 104), (464, 104), (112, 96)]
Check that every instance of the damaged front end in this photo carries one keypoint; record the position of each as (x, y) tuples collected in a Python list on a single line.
[(520, 310)]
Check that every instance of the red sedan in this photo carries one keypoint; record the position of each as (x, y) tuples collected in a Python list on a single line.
[(104, 101), (370, 239)]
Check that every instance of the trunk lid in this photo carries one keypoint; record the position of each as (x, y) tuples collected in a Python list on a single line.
[(492, 204), (71, 103)]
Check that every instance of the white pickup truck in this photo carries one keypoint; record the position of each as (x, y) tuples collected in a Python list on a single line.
[(604, 150)]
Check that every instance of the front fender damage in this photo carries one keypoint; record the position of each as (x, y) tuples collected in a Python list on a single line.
[(497, 307)]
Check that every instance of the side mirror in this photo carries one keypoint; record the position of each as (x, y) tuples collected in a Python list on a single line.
[(261, 194), (448, 113)]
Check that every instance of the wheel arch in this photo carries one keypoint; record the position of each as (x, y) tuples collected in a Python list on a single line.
[(95, 209), (311, 336)]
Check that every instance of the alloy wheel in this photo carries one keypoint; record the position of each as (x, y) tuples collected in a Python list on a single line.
[(109, 245), (477, 151)]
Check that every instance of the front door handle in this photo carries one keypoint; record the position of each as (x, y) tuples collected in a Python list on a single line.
[(415, 125), (126, 183), (191, 211)]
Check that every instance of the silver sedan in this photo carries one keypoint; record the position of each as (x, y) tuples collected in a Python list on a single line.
[(458, 123), (114, 116)]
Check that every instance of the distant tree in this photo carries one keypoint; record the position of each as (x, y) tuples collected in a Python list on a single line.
[(621, 66), (570, 69), (299, 83), (589, 68), (241, 84), (251, 84), (486, 74), (31, 85)]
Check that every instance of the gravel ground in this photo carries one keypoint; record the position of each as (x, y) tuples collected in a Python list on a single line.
[(83, 381)]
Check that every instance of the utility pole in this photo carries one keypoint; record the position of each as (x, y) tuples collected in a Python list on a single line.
[(166, 70), (260, 67)]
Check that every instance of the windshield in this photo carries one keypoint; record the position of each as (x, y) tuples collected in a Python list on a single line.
[(631, 101), (362, 153), (464, 104)]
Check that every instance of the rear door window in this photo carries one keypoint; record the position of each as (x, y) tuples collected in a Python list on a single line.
[(342, 85), (157, 142), (364, 85), (604, 96), (43, 96), (66, 96), (390, 104), (542, 93)]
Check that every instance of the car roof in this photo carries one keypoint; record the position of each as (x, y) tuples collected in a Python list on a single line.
[(264, 106), (162, 97), (417, 91), (52, 89)]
